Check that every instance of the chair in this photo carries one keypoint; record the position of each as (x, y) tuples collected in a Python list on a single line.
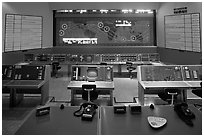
[(169, 95), (89, 92), (130, 68), (198, 92), (55, 68)]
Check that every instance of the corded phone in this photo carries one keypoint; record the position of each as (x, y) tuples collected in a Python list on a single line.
[(184, 113), (88, 112)]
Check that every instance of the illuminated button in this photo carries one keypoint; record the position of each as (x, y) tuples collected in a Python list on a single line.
[(19, 76), (39, 77)]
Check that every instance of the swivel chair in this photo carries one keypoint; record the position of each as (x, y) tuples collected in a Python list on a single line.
[(130, 68), (198, 92), (55, 68), (89, 92), (169, 95)]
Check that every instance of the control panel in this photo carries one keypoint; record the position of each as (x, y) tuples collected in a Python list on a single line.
[(192, 72), (154, 57), (43, 57), (129, 57), (93, 58), (110, 58), (144, 57), (26, 72), (92, 73), (161, 73), (58, 57), (73, 58), (171, 73), (86, 58), (7, 72), (29, 57)]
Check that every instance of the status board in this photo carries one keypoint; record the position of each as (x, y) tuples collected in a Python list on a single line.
[(182, 32), (22, 32)]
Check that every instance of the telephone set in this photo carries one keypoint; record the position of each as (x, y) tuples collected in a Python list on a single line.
[(86, 111), (184, 113)]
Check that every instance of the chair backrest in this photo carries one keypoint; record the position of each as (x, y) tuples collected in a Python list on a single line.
[(129, 64), (55, 65), (166, 94), (198, 92), (86, 89)]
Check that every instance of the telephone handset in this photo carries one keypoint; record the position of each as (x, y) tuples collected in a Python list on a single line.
[(184, 113), (86, 111)]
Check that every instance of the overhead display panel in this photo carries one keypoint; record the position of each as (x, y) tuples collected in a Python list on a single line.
[(107, 27), (182, 32), (22, 32)]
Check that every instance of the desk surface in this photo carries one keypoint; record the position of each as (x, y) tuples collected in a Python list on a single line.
[(164, 84), (194, 84), (137, 124), (58, 122), (25, 84), (99, 85), (5, 82)]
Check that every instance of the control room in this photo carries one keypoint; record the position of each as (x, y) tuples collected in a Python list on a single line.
[(101, 68)]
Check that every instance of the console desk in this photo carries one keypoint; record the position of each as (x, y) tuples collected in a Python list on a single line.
[(137, 124), (106, 122), (58, 122), (100, 85)]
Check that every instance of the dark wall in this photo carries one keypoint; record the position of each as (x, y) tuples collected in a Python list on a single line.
[(173, 56)]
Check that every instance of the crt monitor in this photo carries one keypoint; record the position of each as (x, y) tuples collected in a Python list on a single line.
[(43, 57), (92, 73)]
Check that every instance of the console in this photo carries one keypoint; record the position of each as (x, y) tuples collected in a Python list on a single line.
[(161, 73), (58, 57), (156, 79), (110, 58), (92, 73), (27, 72), (42, 57), (26, 79), (129, 57), (7, 72), (192, 72)]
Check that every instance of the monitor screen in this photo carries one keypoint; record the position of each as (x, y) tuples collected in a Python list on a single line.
[(44, 57), (92, 73)]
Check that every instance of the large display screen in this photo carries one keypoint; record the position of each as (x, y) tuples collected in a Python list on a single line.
[(105, 30)]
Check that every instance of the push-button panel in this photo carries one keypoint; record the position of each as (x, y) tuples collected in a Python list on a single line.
[(27, 72)]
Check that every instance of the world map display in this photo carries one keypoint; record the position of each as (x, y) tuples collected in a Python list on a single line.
[(111, 31)]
